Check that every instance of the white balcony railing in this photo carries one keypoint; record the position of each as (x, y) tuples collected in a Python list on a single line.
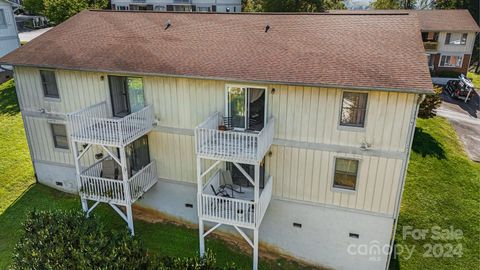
[(239, 146), (95, 124), (95, 187), (242, 211)]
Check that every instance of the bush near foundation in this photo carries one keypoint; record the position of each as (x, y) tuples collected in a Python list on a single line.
[(428, 108), (69, 240)]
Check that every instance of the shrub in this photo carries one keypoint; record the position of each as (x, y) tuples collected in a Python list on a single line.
[(431, 103), (69, 240), (447, 74)]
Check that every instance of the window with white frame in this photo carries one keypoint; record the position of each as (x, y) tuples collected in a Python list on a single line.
[(60, 138), (354, 109), (160, 8), (346, 172), (49, 83), (3, 19), (456, 38), (454, 61)]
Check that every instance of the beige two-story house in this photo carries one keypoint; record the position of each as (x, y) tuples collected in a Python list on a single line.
[(288, 130)]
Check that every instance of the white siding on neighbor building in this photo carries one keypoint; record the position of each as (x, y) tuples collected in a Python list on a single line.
[(307, 116), (459, 49), (8, 34)]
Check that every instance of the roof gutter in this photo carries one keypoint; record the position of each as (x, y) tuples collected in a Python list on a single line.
[(363, 88)]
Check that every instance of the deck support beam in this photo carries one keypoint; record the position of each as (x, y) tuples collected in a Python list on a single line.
[(201, 222), (126, 189)]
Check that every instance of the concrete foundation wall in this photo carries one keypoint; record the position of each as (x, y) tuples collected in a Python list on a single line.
[(58, 176)]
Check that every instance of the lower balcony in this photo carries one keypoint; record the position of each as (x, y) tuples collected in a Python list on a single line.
[(96, 125), (223, 205), (95, 186)]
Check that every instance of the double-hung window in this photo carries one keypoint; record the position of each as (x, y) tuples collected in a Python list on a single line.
[(456, 38), (354, 109), (455, 61), (59, 133), (49, 83), (3, 19), (346, 172)]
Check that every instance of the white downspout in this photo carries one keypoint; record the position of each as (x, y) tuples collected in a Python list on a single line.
[(403, 176)]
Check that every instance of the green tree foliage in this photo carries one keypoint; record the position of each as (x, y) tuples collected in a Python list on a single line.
[(428, 108), (34, 6), (252, 6), (393, 4), (291, 5), (58, 11), (69, 240)]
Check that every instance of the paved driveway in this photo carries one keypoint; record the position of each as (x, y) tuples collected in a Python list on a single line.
[(465, 118)]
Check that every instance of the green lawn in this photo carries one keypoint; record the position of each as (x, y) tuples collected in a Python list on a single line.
[(19, 194), (476, 79), (442, 189)]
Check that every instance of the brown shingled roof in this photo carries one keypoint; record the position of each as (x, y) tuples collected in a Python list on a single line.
[(446, 20), (429, 20), (351, 51)]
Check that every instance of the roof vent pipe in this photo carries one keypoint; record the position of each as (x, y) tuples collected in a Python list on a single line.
[(267, 28), (168, 24)]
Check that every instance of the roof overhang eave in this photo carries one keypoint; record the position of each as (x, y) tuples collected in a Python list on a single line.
[(351, 87)]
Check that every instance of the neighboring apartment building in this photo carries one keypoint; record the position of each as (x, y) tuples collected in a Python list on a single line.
[(449, 38), (179, 5), (290, 128), (8, 36)]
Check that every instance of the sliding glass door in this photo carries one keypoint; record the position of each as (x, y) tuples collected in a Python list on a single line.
[(126, 94), (138, 155), (246, 108)]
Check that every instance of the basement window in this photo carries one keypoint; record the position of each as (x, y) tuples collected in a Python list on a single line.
[(346, 172)]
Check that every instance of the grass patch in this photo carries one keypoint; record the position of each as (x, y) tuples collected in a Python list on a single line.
[(442, 189), (475, 79), (15, 164)]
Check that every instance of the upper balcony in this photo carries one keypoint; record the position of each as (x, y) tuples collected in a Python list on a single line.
[(430, 45), (95, 124), (238, 209), (235, 146), (95, 185)]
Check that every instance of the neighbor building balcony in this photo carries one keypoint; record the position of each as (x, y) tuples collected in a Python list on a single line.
[(96, 124), (430, 45), (214, 140)]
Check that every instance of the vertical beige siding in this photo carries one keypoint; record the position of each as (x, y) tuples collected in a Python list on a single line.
[(307, 175), (303, 114)]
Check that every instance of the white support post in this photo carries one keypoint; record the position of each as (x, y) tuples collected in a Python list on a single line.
[(77, 158), (257, 225), (201, 229), (126, 188), (255, 249)]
